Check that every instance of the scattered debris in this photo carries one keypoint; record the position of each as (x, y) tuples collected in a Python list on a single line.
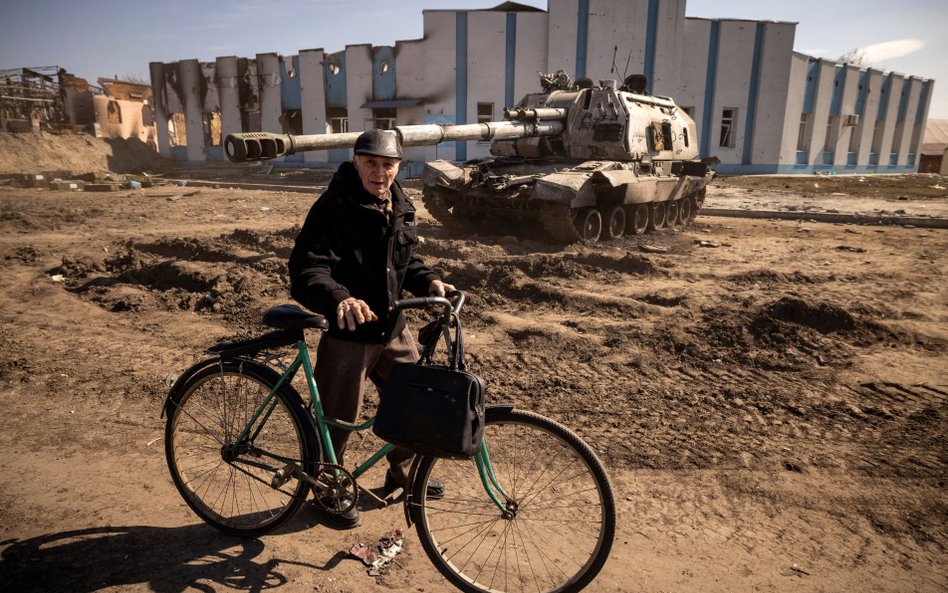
[(264, 208), (654, 248), (378, 557), (799, 570), (703, 243), (57, 278), (852, 249)]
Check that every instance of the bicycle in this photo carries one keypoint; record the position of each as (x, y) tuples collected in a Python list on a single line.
[(534, 510)]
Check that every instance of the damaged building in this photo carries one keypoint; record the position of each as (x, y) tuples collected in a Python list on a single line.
[(759, 106), (51, 99)]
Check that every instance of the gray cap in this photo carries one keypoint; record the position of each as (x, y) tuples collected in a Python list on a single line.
[(379, 143)]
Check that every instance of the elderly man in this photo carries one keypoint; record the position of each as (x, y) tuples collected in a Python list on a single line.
[(352, 259)]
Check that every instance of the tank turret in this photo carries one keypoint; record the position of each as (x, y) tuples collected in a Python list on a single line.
[(588, 161)]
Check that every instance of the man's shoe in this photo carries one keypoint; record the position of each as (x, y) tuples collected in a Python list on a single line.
[(435, 487), (340, 521)]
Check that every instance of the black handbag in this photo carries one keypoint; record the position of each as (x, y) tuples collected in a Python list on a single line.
[(433, 410)]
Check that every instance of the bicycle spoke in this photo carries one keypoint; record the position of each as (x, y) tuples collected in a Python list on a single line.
[(556, 530), (219, 478)]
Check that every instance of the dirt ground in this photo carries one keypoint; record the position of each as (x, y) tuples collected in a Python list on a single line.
[(768, 396)]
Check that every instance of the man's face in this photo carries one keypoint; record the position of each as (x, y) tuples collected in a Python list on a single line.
[(376, 172)]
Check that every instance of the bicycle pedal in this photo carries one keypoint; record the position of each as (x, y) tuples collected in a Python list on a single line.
[(282, 476)]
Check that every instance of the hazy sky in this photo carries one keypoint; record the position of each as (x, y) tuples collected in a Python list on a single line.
[(93, 38)]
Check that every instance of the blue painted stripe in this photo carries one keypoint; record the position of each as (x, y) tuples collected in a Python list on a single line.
[(903, 101), (651, 37), (922, 101), (290, 91), (884, 97), (460, 59), (812, 82), (839, 83), (706, 118), (752, 94), (510, 58), (383, 83), (336, 94), (863, 92), (582, 37)]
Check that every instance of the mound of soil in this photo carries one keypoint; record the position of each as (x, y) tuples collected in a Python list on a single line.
[(78, 153)]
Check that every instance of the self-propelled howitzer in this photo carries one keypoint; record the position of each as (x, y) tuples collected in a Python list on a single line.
[(587, 161)]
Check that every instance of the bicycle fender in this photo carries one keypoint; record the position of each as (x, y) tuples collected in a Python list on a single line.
[(490, 412), (183, 379)]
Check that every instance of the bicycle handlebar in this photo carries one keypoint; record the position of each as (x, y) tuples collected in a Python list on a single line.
[(424, 302)]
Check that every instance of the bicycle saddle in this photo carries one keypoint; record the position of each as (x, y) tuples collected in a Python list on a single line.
[(293, 317)]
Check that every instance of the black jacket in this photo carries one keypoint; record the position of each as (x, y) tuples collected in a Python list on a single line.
[(348, 247)]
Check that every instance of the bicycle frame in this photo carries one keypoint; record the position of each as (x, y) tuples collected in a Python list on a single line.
[(322, 423)]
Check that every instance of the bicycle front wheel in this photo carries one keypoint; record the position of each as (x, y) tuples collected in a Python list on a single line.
[(558, 522), (229, 484)]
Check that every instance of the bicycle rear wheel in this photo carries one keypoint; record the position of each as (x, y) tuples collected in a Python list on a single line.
[(217, 476), (561, 517)]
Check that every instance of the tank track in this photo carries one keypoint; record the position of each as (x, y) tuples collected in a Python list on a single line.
[(436, 207), (557, 221)]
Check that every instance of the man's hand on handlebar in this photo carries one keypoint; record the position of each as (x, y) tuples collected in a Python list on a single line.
[(352, 312), (439, 288)]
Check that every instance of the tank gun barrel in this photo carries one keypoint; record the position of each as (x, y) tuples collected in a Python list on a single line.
[(261, 146)]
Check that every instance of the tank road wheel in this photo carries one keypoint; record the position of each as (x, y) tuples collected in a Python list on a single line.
[(614, 219), (557, 221), (589, 224), (436, 207), (638, 219), (671, 214), (686, 211), (656, 219)]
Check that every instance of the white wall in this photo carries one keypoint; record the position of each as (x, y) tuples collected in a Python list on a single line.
[(668, 48), (561, 37), (228, 97), (440, 51), (410, 84), (313, 97), (358, 85), (773, 87), (271, 100), (796, 88), (735, 60), (867, 121), (694, 70), (190, 73), (616, 23), (902, 144), (486, 65), (531, 50)]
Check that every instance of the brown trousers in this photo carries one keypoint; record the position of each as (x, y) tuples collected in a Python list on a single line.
[(341, 369)]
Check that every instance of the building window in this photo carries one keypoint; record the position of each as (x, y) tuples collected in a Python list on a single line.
[(337, 120), (292, 121), (382, 119), (803, 136), (485, 112), (728, 123), (115, 112), (177, 133), (212, 128)]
